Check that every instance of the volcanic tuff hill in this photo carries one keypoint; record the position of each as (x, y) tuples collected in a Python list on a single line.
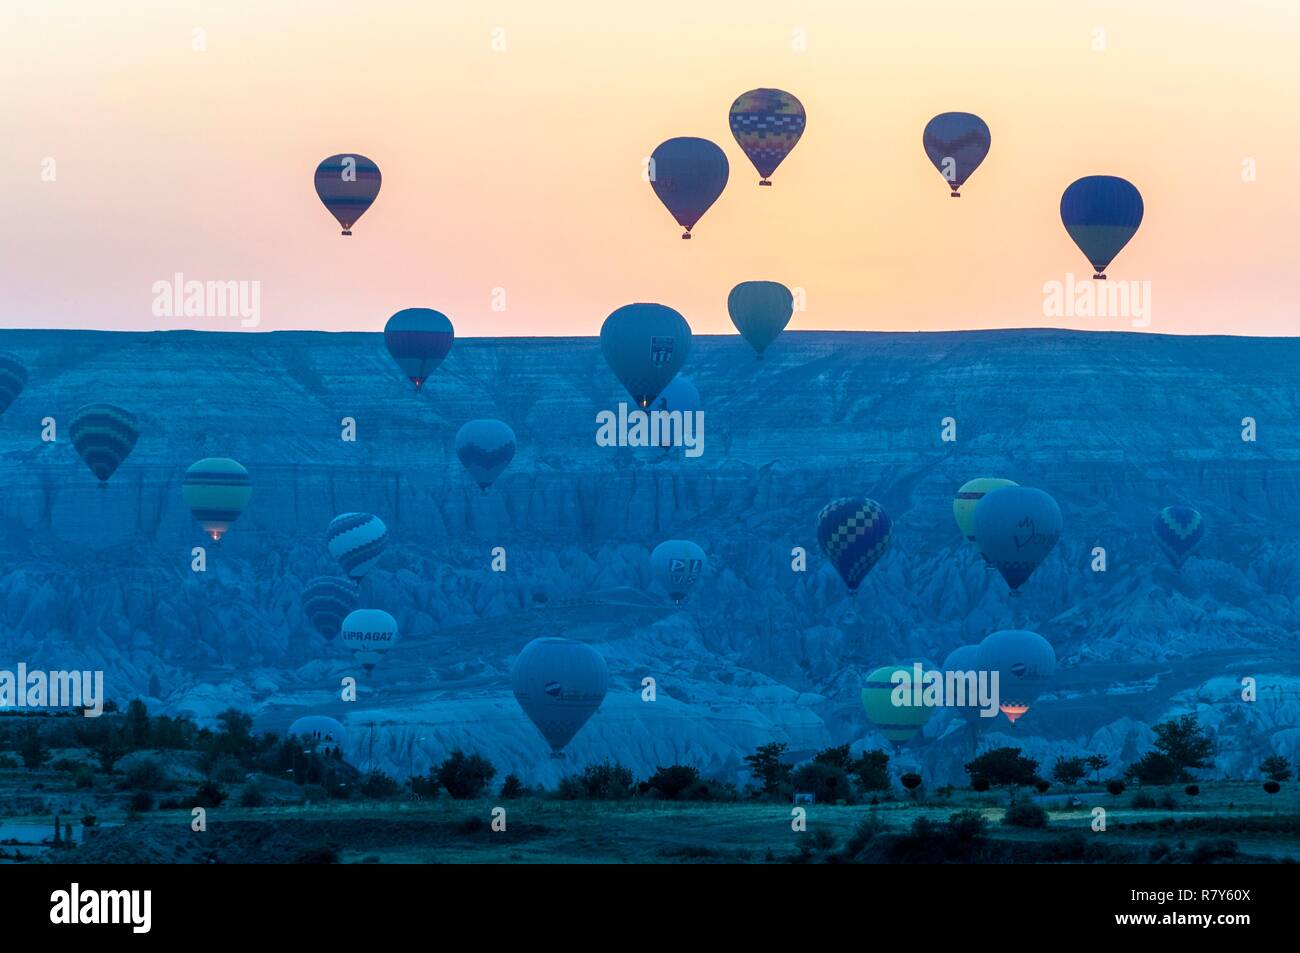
[(1113, 425)]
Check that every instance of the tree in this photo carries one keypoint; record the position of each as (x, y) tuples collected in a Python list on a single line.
[(674, 781), (465, 776), (828, 783), (1068, 771), (607, 781), (1004, 767), (872, 770), (32, 749), (135, 726), (1096, 764), (767, 768), (512, 787), (1275, 768), (838, 757), (1184, 743)]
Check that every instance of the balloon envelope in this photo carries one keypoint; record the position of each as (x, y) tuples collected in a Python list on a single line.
[(357, 541), (678, 565), (956, 144), (347, 184), (767, 124), (645, 345), (1024, 661), (898, 723), (485, 447), (1101, 213), (103, 435), (1015, 528), (326, 601), (326, 732), (965, 658), (369, 633), (968, 497), (1178, 530), (418, 339), (559, 684), (13, 377), (760, 310), (853, 533), (216, 489), (680, 395), (688, 175)]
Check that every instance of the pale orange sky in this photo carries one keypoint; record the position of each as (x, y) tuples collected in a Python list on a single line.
[(521, 169)]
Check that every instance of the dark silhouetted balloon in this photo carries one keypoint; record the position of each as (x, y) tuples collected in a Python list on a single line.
[(965, 658), (326, 601), (645, 345), (103, 435), (1024, 661), (347, 184), (767, 124), (854, 534), (327, 733), (760, 310), (1178, 530), (688, 175), (1101, 213), (486, 448), (1015, 528), (956, 143), (13, 377), (559, 684), (418, 339)]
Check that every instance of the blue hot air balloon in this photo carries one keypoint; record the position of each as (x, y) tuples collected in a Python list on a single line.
[(965, 658), (681, 394), (418, 339), (760, 310), (678, 565), (1178, 530), (956, 143), (559, 684), (356, 540), (13, 376), (1015, 528), (854, 534), (327, 601), (326, 733), (767, 124), (688, 175), (1024, 661), (347, 184), (103, 435), (645, 345), (486, 448), (1101, 213)]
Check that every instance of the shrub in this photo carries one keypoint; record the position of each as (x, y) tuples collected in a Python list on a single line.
[(1143, 801), (1042, 785), (827, 783), (1022, 813), (141, 801), (823, 840), (1115, 787), (1192, 790), (465, 776), (251, 796), (1272, 787), (378, 786), (1069, 771), (867, 830), (210, 794), (512, 787), (979, 784), (1207, 852), (145, 774), (910, 781), (872, 771), (607, 781), (1004, 767)]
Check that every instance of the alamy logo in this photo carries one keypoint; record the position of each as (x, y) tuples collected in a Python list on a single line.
[(72, 906), (917, 688), (1094, 298), (37, 689), (654, 428), (179, 298)]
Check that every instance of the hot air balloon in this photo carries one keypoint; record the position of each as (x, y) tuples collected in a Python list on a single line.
[(347, 184), (645, 345), (678, 565), (104, 436), (559, 684), (1101, 213), (688, 175), (956, 143), (356, 540), (898, 723), (326, 601), (486, 448), (1178, 530), (1015, 528), (680, 395), (418, 339), (963, 506), (13, 376), (1024, 662), (327, 733), (760, 310), (369, 633), (767, 124), (216, 490), (965, 658), (854, 534)]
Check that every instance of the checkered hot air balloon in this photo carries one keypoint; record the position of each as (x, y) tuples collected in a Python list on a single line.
[(356, 540), (418, 339), (956, 144), (326, 601), (1101, 213), (485, 447), (13, 377), (1178, 530), (688, 175), (854, 535), (216, 490), (103, 435), (347, 184), (767, 124)]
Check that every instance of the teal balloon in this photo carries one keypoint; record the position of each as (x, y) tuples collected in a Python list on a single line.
[(559, 684), (965, 658), (103, 435), (645, 345), (1015, 528), (688, 175), (760, 310)]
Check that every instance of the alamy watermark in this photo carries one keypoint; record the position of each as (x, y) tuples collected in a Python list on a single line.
[(179, 298), (54, 689), (1093, 298), (917, 688), (653, 428)]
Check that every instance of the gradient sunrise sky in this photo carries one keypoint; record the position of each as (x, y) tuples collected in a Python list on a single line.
[(521, 168)]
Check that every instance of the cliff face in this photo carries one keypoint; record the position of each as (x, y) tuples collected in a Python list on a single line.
[(1114, 426)]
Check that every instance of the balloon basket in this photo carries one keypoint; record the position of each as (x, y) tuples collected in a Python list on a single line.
[(766, 182), (347, 231), (956, 195), (557, 755), (1098, 277), (686, 236)]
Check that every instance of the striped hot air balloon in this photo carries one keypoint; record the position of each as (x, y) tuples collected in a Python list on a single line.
[(767, 124), (103, 436), (898, 723), (964, 503), (956, 144), (486, 448), (357, 541), (688, 175), (348, 185), (1101, 213), (854, 534), (13, 377), (1178, 530), (216, 489), (418, 339), (326, 601)]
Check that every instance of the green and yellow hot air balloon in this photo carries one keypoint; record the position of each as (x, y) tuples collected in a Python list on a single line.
[(967, 498), (898, 723)]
